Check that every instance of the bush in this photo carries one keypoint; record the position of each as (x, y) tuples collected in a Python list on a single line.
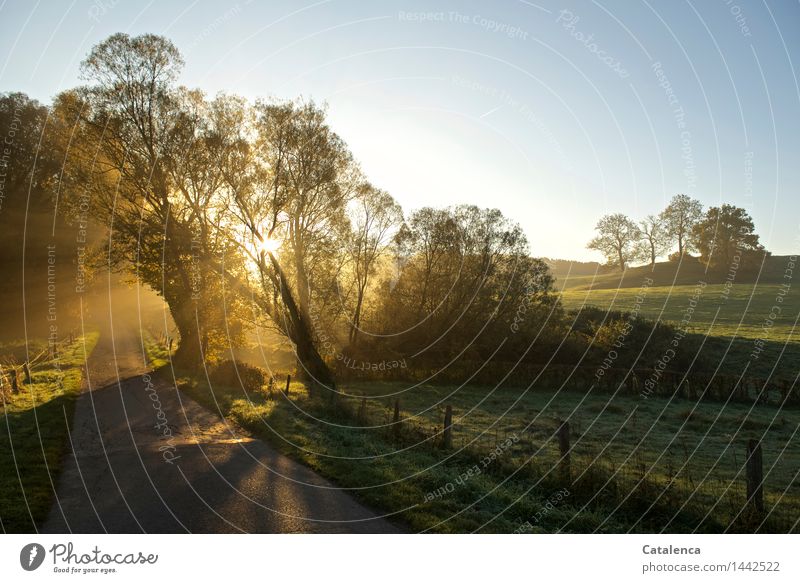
[(239, 374)]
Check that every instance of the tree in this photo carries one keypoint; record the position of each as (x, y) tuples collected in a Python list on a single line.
[(29, 167), (287, 210), (148, 156), (425, 243), (617, 239), (467, 274), (24, 164), (654, 237), (374, 215), (207, 134), (679, 218), (725, 235), (314, 176)]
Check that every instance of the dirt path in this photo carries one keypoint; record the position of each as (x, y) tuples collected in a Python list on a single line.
[(126, 476)]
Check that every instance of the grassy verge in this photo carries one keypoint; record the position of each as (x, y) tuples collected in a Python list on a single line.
[(636, 466), (34, 436), (156, 351)]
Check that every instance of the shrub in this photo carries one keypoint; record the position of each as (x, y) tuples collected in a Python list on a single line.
[(239, 374)]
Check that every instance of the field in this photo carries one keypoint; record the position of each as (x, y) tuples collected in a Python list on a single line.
[(636, 465), (753, 325), (34, 437), (743, 312)]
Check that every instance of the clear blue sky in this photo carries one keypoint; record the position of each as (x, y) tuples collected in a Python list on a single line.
[(503, 104)]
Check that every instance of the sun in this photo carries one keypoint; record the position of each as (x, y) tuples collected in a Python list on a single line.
[(269, 245)]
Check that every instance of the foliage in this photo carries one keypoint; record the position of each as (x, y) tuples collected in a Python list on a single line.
[(726, 238), (679, 218), (235, 373), (655, 238), (144, 156), (243, 214), (463, 279), (617, 239)]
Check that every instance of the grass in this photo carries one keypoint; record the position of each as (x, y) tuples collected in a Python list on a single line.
[(733, 318), (156, 351), (34, 435), (741, 313), (637, 465)]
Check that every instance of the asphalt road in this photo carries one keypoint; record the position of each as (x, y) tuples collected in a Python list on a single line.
[(124, 475)]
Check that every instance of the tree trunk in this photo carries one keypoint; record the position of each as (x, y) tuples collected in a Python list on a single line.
[(189, 354), (303, 287), (299, 332), (354, 330)]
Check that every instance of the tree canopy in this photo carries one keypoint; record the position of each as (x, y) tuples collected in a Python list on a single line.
[(242, 214), (617, 239)]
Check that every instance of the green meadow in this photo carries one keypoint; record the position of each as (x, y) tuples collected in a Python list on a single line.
[(739, 311)]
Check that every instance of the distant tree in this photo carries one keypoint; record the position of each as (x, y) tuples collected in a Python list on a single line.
[(374, 215), (654, 237), (617, 239), (681, 214), (726, 235)]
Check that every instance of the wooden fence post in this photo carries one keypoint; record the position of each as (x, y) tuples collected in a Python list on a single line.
[(563, 448), (14, 380), (362, 411), (447, 441), (27, 370), (288, 380), (755, 475), (396, 419)]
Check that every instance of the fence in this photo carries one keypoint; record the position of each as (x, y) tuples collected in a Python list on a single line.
[(13, 373), (639, 381), (546, 448)]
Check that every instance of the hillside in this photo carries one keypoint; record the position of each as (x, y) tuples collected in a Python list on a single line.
[(665, 273), (567, 268)]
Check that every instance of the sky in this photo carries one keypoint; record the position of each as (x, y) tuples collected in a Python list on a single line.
[(554, 112)]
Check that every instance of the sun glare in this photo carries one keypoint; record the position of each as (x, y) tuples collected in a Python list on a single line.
[(269, 245)]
